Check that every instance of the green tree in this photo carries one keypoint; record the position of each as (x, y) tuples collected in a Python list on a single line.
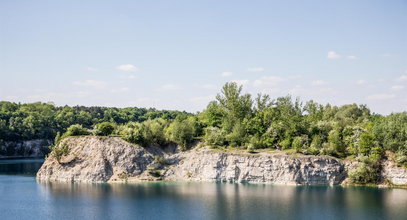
[(105, 128)]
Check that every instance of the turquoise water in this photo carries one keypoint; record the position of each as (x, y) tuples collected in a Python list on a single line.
[(22, 197)]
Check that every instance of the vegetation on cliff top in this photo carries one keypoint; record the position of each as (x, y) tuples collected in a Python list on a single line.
[(233, 119)]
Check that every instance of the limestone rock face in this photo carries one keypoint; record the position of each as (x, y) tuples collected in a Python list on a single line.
[(96, 159), (111, 159), (27, 148), (102, 159), (208, 165), (397, 175)]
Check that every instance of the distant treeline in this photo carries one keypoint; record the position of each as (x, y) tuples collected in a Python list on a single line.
[(234, 119), (42, 120)]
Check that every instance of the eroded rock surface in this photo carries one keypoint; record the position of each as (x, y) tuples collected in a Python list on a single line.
[(102, 159), (96, 159)]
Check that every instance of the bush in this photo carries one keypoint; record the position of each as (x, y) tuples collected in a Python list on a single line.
[(286, 144), (255, 143), (182, 132), (153, 131), (300, 142), (76, 130), (251, 149), (104, 128), (214, 136), (59, 150), (401, 158), (238, 135), (133, 133), (367, 172)]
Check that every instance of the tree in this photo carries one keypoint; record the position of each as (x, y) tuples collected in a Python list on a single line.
[(183, 131), (105, 128)]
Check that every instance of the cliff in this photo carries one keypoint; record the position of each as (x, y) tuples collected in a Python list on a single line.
[(28, 148), (102, 159)]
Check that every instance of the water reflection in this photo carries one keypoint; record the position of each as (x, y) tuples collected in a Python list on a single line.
[(230, 201), (20, 166), (23, 197)]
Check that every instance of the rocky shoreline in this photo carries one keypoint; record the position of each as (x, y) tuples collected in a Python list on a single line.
[(111, 159)]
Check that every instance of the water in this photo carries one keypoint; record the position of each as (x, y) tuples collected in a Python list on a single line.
[(22, 197)]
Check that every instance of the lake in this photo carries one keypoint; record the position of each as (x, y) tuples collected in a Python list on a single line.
[(22, 197)]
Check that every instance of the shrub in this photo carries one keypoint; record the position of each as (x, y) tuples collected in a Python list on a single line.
[(286, 143), (255, 143), (238, 135), (251, 149), (401, 158), (104, 128), (182, 132), (214, 136), (367, 172), (59, 150), (153, 131), (133, 133), (76, 130), (300, 142)]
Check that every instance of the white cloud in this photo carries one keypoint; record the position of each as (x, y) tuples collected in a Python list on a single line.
[(380, 96), (255, 69), (169, 87), (268, 81), (333, 55), (402, 78), (361, 82), (319, 83), (91, 69), (226, 74), (91, 83), (352, 57), (386, 55), (127, 68), (397, 87)]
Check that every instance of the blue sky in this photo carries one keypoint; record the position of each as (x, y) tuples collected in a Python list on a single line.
[(178, 54)]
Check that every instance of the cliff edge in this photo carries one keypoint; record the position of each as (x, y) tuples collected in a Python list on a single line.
[(111, 159)]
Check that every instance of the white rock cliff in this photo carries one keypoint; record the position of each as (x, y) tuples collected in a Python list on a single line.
[(103, 159)]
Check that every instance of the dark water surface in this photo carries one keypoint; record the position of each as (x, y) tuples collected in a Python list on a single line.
[(22, 197)]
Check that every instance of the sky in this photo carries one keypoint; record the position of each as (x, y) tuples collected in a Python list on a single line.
[(178, 54)]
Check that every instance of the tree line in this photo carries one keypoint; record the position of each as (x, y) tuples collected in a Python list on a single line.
[(233, 120)]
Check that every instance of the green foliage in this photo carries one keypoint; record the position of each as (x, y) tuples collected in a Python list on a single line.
[(76, 130), (391, 132), (153, 132), (300, 142), (367, 172), (104, 128), (251, 148), (366, 143), (132, 132), (238, 136), (59, 150), (44, 120), (286, 143), (183, 131), (214, 136), (233, 119)]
